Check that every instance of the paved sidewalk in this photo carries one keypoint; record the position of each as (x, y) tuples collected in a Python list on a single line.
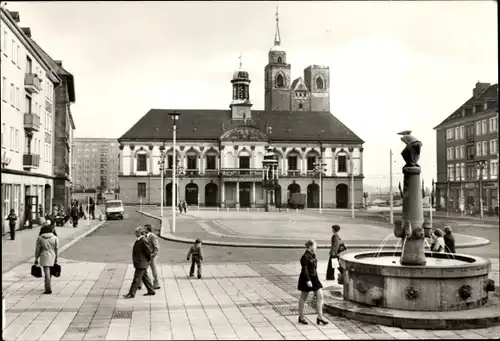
[(15, 252), (232, 301)]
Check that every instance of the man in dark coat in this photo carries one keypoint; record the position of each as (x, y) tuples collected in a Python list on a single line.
[(74, 214), (449, 240), (141, 257)]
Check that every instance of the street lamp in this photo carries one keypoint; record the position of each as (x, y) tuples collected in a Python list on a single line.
[(320, 168), (270, 177), (480, 165), (351, 159), (161, 163), (175, 116)]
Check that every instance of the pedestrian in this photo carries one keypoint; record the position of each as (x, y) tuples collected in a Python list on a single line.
[(154, 246), (180, 206), (12, 218), (47, 249), (449, 240), (334, 252), (74, 215), (81, 212), (437, 241), (92, 208), (141, 256), (309, 281), (196, 255), (184, 206), (48, 227)]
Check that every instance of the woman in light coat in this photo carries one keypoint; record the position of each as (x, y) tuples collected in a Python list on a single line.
[(47, 249)]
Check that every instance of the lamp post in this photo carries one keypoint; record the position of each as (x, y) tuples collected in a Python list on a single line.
[(351, 159), (391, 202), (480, 166), (175, 116), (320, 168), (161, 163), (270, 176)]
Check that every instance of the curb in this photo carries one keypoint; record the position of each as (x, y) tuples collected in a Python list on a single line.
[(62, 249), (174, 238)]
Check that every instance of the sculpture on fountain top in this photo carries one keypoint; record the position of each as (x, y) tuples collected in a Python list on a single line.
[(411, 229)]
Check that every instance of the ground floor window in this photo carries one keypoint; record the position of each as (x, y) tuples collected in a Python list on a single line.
[(141, 189), (6, 196)]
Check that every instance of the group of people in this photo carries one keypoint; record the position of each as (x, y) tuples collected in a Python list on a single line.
[(75, 212), (443, 242), (144, 254), (182, 206)]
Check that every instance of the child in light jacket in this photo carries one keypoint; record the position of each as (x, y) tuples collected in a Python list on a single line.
[(196, 255)]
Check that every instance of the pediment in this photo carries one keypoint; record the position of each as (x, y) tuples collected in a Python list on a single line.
[(244, 134)]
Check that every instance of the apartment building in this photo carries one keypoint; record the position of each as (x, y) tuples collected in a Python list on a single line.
[(467, 152), (27, 99), (95, 164)]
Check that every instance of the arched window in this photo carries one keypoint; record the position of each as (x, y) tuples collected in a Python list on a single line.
[(280, 81), (319, 83), (280, 61), (300, 105)]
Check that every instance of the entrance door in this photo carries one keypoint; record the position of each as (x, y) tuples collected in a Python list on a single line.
[(168, 194), (191, 194), (313, 196), (31, 203), (211, 194), (277, 196), (245, 200), (341, 196)]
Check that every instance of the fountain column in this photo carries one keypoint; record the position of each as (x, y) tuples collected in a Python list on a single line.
[(413, 252)]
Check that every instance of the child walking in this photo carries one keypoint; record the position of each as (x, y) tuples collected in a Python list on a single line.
[(197, 256)]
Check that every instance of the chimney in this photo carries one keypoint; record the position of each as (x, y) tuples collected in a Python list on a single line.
[(58, 62), (480, 87), (15, 16), (27, 31)]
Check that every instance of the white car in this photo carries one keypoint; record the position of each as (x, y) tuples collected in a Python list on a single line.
[(114, 209)]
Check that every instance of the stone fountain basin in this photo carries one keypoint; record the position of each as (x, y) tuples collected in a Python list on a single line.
[(443, 284)]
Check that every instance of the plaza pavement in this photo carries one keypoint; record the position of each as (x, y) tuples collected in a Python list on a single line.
[(232, 301), (14, 252)]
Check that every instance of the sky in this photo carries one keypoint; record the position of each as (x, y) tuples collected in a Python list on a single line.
[(393, 65)]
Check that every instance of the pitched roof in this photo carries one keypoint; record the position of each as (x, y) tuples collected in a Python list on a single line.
[(490, 92), (57, 68), (156, 125), (298, 84)]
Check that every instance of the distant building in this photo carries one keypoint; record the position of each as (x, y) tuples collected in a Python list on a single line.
[(467, 140), (95, 164), (29, 130)]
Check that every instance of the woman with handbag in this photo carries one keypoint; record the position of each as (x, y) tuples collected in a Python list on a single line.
[(309, 281), (337, 246), (47, 249)]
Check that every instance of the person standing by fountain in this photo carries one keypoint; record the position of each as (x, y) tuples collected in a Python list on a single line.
[(449, 240), (309, 281), (438, 244), (334, 252)]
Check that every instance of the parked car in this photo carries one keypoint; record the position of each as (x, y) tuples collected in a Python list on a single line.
[(114, 209)]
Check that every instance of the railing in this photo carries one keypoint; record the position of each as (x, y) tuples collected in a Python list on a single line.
[(31, 122), (192, 172), (211, 172), (294, 172), (242, 172), (31, 160)]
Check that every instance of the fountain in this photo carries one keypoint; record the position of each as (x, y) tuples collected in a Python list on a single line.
[(426, 289)]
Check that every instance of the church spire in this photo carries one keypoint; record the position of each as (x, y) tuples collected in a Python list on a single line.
[(277, 38)]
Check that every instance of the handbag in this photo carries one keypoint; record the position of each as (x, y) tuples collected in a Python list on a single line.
[(342, 247), (36, 271), (55, 270)]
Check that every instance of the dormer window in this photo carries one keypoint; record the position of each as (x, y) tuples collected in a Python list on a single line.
[(280, 81), (280, 60), (319, 83)]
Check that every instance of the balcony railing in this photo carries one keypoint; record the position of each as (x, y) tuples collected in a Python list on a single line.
[(32, 83), (211, 172), (294, 172), (31, 161), (241, 172), (31, 122), (191, 172)]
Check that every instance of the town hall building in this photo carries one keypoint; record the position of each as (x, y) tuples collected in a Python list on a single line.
[(220, 152)]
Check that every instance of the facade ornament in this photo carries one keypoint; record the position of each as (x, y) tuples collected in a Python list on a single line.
[(361, 149), (333, 150), (162, 148), (283, 149), (235, 147), (132, 147), (303, 149), (182, 148), (411, 293), (350, 149), (222, 147), (202, 148), (150, 147), (252, 147), (244, 133), (120, 146)]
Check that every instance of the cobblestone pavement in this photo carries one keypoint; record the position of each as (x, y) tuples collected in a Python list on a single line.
[(245, 293)]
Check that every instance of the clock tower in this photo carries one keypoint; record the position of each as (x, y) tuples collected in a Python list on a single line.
[(241, 105)]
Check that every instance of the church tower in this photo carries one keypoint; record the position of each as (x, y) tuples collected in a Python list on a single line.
[(241, 105), (277, 76)]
